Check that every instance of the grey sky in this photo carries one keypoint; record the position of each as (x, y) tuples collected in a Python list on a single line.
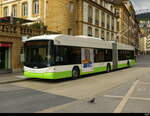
[(141, 4)]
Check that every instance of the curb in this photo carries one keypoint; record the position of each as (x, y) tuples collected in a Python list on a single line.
[(11, 81)]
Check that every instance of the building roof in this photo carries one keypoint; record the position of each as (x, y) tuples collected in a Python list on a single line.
[(116, 2)]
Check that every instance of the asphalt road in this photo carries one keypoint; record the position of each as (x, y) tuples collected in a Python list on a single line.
[(124, 90)]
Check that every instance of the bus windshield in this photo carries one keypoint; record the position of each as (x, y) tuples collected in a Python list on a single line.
[(38, 54)]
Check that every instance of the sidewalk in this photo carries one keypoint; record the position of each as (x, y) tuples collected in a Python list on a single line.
[(11, 77)]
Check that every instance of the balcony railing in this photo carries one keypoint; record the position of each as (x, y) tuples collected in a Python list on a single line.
[(18, 30)]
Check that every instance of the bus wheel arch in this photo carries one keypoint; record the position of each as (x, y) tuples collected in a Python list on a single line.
[(108, 68), (75, 72)]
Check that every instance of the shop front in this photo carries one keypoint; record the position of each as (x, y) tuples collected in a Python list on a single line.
[(5, 57)]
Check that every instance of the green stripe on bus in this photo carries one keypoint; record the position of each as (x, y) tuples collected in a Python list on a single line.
[(122, 65), (96, 70), (53, 75), (67, 74), (60, 75), (133, 62)]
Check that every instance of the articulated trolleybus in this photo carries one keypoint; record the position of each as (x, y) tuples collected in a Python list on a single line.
[(64, 56)]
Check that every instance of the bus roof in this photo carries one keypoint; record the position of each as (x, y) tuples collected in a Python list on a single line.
[(79, 41)]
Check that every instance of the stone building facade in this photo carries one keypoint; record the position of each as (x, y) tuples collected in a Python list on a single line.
[(106, 19), (142, 45), (73, 17), (128, 28)]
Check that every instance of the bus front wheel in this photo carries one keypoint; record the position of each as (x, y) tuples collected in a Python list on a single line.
[(75, 73)]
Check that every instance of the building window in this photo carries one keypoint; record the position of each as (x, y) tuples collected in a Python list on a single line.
[(102, 35), (69, 31), (25, 9), (101, 2), (89, 31), (112, 36), (14, 10), (90, 14), (104, 4), (111, 8), (103, 19), (107, 36), (36, 7), (108, 22), (71, 6), (113, 22), (117, 12), (118, 24), (97, 17), (97, 33), (5, 11), (96, 1)]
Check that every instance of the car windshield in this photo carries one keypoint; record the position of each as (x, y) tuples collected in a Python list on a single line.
[(38, 54)]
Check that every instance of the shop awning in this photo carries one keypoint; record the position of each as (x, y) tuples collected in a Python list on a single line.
[(14, 20), (5, 45)]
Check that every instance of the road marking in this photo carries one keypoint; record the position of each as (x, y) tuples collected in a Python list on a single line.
[(140, 98), (133, 98), (145, 83), (126, 98), (113, 96)]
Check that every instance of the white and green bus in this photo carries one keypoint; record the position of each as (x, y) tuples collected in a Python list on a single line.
[(63, 56)]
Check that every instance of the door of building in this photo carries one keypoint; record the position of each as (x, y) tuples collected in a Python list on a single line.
[(2, 57), (5, 55)]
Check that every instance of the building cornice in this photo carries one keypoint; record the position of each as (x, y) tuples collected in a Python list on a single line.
[(9, 2)]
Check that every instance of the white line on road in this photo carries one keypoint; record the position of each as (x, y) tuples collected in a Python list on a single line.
[(125, 98), (133, 98), (113, 96), (145, 83), (140, 98)]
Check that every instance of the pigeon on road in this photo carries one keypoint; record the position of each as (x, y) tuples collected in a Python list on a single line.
[(92, 100)]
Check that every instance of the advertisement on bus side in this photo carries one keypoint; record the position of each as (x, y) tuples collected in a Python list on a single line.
[(87, 60)]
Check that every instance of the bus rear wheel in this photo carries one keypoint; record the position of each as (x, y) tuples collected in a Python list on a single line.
[(75, 73), (128, 64), (108, 68)]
